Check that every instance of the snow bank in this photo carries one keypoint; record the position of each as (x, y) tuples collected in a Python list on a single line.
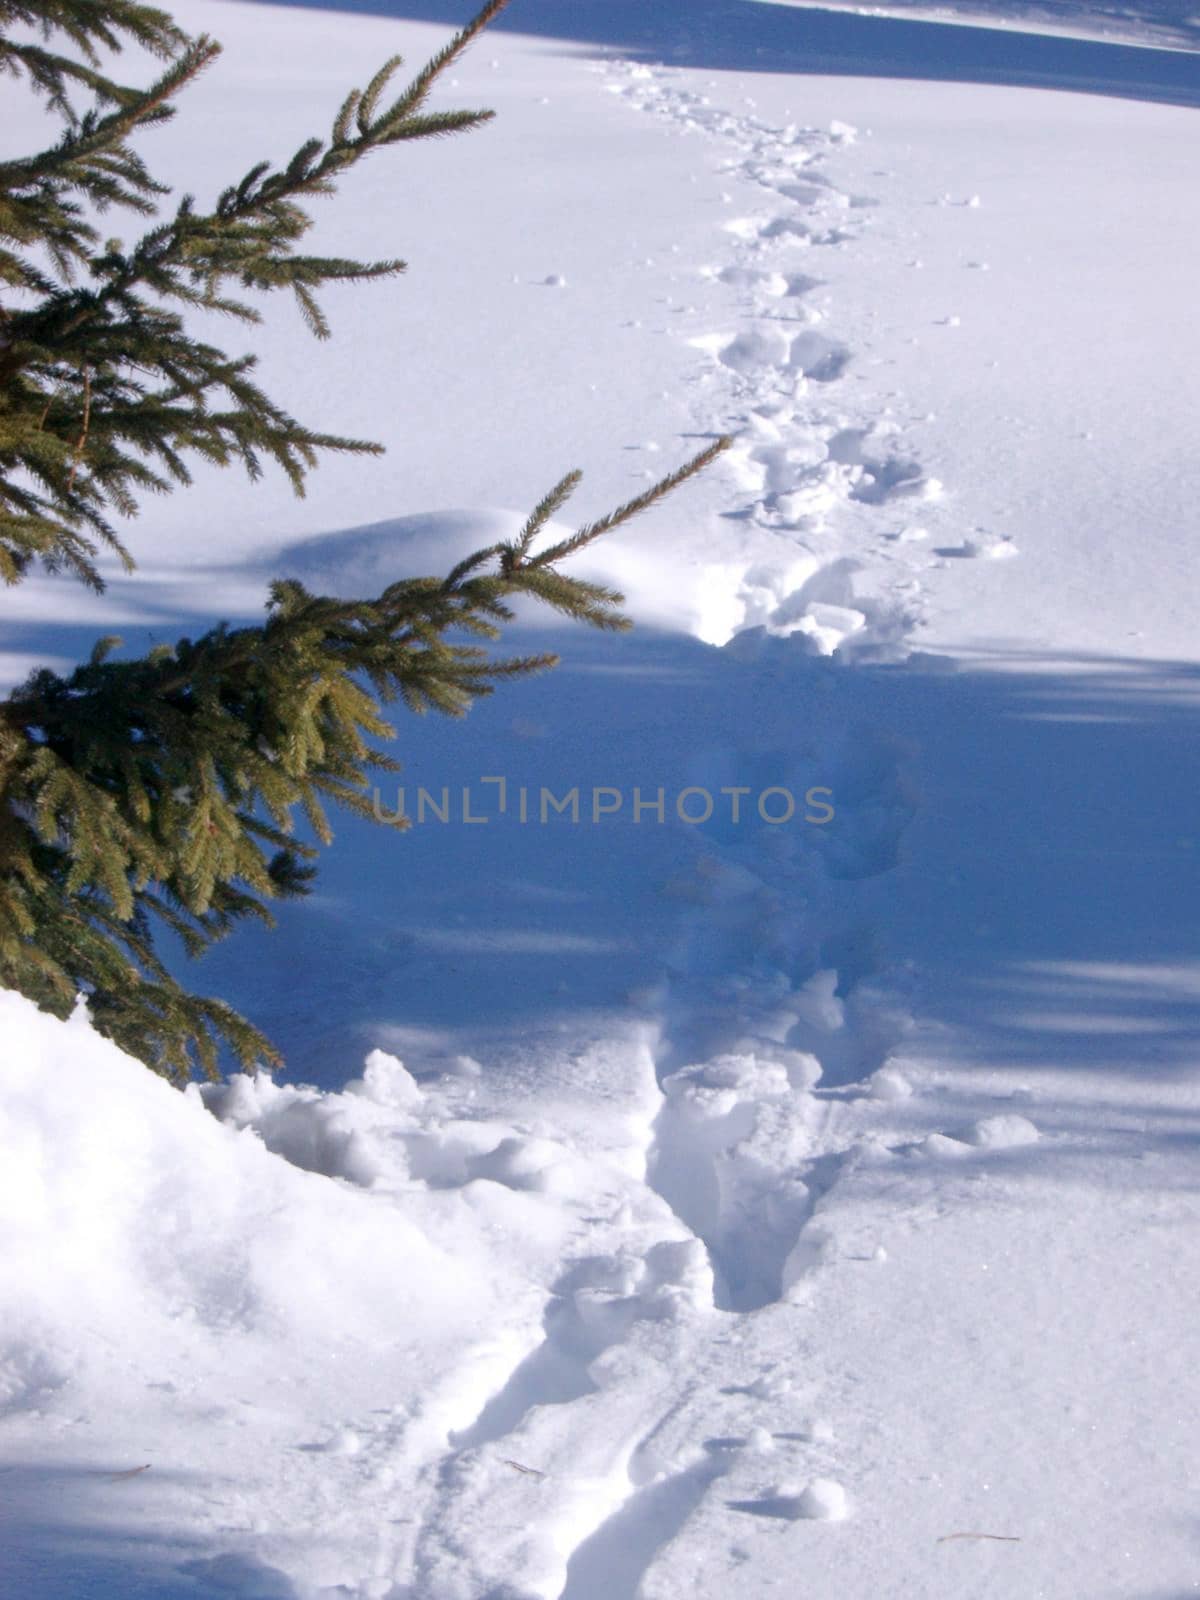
[(127, 1212), (296, 1299)]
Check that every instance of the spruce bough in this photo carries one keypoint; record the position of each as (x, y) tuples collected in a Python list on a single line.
[(164, 791)]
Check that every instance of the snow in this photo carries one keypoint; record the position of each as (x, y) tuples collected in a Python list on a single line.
[(998, 1133), (822, 1501), (788, 1166)]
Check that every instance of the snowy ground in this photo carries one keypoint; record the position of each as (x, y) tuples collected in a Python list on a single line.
[(761, 1207)]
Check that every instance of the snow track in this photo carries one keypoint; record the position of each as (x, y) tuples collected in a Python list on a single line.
[(754, 1043), (805, 460), (563, 1457)]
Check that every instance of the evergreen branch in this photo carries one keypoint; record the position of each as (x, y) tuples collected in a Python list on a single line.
[(164, 793), (91, 26), (415, 96), (544, 511), (632, 508), (167, 787), (103, 383)]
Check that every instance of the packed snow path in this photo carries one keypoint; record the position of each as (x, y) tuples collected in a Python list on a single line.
[(756, 1203)]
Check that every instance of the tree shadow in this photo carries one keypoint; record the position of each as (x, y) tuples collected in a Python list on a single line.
[(67, 1533), (1053, 865), (751, 36), (1024, 837), (1023, 833)]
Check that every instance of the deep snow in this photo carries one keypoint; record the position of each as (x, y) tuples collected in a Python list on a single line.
[(720, 1204)]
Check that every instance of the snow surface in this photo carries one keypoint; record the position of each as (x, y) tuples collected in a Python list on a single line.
[(665, 1206)]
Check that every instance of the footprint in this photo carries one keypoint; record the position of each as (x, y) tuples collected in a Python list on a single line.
[(756, 350), (614, 1559), (728, 1143), (774, 284), (746, 228), (811, 192), (875, 807), (566, 1471), (883, 475), (830, 627), (984, 547), (592, 1307), (819, 357), (788, 227), (799, 283)]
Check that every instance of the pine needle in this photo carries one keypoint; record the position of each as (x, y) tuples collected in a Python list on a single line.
[(1001, 1538)]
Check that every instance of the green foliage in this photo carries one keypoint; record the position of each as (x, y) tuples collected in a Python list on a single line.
[(165, 790)]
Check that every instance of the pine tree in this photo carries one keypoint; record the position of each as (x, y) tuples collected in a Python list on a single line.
[(164, 791)]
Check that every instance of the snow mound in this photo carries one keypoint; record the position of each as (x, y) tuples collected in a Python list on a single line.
[(888, 1083), (1002, 1132), (823, 1500), (127, 1211), (360, 1279)]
